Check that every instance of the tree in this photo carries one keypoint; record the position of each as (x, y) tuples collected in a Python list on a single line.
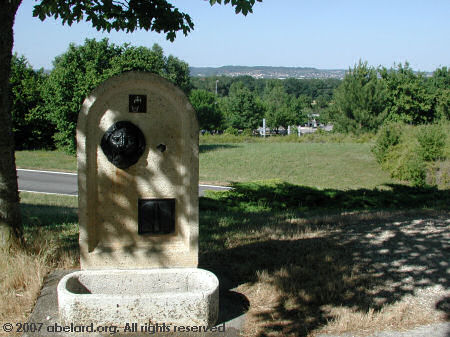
[(75, 73), (279, 107), (440, 84), (82, 68), (241, 108), (10, 220), (359, 102), (30, 129), (208, 114), (409, 98), (129, 15)]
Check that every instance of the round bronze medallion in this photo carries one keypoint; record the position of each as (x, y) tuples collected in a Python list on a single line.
[(123, 144)]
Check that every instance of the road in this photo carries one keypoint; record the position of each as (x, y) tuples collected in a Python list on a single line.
[(66, 183)]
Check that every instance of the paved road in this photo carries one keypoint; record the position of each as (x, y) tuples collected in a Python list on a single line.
[(66, 183)]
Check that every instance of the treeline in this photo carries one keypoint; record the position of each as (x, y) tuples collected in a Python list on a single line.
[(369, 97), (240, 103), (45, 106), (363, 101)]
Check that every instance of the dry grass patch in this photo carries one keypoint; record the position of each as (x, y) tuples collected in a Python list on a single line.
[(51, 236), (24, 269), (357, 272)]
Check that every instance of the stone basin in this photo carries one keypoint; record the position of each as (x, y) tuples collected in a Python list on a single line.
[(183, 296)]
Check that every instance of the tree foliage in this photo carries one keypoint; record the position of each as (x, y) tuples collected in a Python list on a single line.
[(128, 15), (440, 85), (208, 114), (241, 108), (359, 102), (409, 98), (284, 104), (30, 128), (281, 108), (82, 68)]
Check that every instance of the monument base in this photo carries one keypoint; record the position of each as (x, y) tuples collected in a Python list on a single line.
[(175, 296)]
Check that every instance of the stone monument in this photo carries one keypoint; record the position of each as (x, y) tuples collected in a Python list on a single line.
[(137, 150), (137, 155)]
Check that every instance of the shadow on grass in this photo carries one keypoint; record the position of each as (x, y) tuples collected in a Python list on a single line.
[(274, 196), (214, 147), (359, 260), (55, 223)]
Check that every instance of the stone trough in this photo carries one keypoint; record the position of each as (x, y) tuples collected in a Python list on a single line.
[(181, 296)]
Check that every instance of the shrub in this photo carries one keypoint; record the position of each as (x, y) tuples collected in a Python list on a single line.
[(402, 160), (431, 142), (415, 172), (231, 131), (388, 137), (247, 132), (414, 153), (438, 174)]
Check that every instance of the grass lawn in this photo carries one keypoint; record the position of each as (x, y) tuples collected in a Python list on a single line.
[(343, 166), (46, 160), (331, 165)]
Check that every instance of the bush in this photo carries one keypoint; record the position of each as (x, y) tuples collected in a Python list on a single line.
[(402, 160), (388, 137), (415, 153), (231, 131), (431, 142), (438, 174), (247, 133)]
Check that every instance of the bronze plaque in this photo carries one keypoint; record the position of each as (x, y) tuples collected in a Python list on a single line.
[(137, 103)]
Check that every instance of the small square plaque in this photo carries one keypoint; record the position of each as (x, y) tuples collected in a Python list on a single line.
[(137, 103), (156, 216)]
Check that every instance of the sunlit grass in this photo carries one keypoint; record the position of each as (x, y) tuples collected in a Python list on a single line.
[(343, 166), (46, 160)]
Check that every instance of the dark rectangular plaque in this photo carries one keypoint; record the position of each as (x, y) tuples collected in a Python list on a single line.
[(137, 103), (156, 216)]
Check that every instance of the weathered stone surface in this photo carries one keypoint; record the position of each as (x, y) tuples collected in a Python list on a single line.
[(179, 296), (167, 169)]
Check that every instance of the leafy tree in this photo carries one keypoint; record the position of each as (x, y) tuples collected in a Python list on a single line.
[(301, 106), (441, 78), (30, 128), (241, 108), (129, 15), (440, 85), (279, 107), (409, 98), (208, 114), (82, 68), (75, 73), (359, 102)]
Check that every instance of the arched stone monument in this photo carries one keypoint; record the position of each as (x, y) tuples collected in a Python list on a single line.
[(137, 140), (137, 150)]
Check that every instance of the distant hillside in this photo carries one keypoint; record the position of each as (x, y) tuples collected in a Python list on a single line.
[(267, 72)]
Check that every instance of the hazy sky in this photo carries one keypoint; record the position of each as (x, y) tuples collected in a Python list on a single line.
[(326, 34)]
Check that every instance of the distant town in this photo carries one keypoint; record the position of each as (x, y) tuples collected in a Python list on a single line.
[(268, 72)]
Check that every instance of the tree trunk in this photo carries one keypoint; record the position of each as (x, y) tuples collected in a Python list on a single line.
[(10, 219)]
